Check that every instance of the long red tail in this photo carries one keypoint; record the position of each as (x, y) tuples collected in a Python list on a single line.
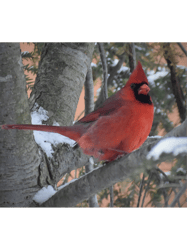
[(73, 132)]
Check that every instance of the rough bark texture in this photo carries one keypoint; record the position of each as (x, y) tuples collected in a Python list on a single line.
[(19, 157), (175, 85), (111, 173), (61, 75), (105, 70), (89, 92), (89, 107), (132, 57)]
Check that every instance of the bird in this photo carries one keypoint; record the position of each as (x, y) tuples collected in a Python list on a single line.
[(120, 126)]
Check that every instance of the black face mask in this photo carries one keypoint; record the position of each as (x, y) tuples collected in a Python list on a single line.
[(140, 97)]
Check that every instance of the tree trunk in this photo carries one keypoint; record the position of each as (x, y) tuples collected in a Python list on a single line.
[(175, 85), (19, 153), (61, 75)]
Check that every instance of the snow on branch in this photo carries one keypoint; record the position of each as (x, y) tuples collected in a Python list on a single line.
[(170, 145)]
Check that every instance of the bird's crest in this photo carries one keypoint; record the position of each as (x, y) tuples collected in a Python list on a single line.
[(137, 76)]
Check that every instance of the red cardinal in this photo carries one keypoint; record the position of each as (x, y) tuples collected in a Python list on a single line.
[(118, 127)]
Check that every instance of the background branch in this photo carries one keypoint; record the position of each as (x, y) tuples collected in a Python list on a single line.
[(104, 90), (115, 69), (175, 85), (182, 48), (132, 57), (176, 199), (89, 107)]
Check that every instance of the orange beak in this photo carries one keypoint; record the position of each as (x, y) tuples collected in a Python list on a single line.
[(144, 89)]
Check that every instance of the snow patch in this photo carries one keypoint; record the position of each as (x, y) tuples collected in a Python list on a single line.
[(46, 139), (123, 69), (181, 170), (46, 193), (25, 52), (93, 64), (152, 76), (168, 145)]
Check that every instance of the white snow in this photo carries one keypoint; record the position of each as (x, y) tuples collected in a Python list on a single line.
[(181, 170), (168, 173), (168, 145), (152, 76), (115, 62), (93, 64), (45, 139), (122, 69), (46, 193), (181, 66), (24, 52), (155, 136)]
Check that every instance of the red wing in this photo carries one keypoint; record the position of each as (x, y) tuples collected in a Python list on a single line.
[(111, 105)]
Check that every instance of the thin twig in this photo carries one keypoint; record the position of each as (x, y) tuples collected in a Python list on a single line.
[(148, 182), (175, 85), (140, 192), (105, 71), (172, 188), (132, 57), (105, 96), (182, 48), (182, 190), (111, 196), (89, 107)]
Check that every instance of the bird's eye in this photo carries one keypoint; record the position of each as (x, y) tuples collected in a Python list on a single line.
[(133, 85)]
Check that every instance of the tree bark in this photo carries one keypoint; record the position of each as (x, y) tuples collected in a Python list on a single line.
[(61, 75), (132, 57), (175, 85), (20, 158), (89, 107)]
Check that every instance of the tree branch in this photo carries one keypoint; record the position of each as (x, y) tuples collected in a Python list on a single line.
[(107, 175), (176, 199), (104, 90), (60, 79), (182, 48), (132, 57), (89, 92), (115, 69), (176, 88), (140, 192), (105, 71), (89, 107), (104, 94)]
